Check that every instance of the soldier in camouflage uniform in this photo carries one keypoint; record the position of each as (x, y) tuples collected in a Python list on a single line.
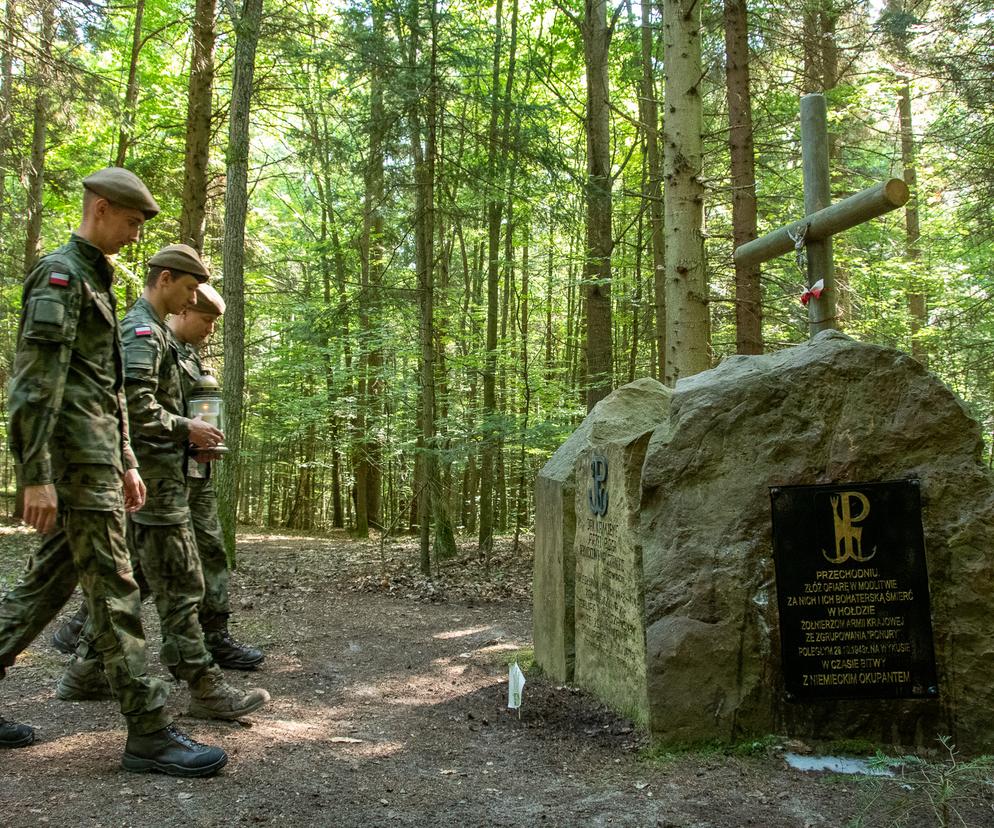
[(191, 328), (160, 533), (69, 439)]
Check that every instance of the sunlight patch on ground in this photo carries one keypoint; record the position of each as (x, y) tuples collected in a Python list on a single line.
[(296, 727), (42, 656), (316, 726), (436, 681), (449, 634), (64, 749), (370, 750), (499, 647), (303, 716), (38, 693), (283, 664), (267, 538), (424, 690)]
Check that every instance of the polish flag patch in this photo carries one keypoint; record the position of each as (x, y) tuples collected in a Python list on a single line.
[(143, 330), (58, 279)]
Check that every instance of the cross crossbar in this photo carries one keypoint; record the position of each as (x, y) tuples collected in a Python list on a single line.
[(866, 204)]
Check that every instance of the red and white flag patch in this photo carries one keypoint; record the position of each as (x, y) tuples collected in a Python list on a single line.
[(143, 330), (58, 279)]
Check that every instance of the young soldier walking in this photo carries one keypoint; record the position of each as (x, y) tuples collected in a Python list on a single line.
[(69, 439), (192, 328), (160, 533)]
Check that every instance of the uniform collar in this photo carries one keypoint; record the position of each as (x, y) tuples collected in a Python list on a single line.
[(95, 256), (145, 305)]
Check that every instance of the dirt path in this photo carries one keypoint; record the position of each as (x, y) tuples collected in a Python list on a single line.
[(388, 709)]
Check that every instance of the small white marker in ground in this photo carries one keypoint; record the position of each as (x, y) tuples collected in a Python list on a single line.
[(515, 686)]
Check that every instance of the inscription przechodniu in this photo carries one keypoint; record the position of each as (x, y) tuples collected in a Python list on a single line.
[(852, 590)]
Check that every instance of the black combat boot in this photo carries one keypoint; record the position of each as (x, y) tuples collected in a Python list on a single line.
[(227, 652), (172, 752), (66, 637), (14, 735)]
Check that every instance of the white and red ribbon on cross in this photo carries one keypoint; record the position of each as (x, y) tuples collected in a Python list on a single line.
[(814, 291)]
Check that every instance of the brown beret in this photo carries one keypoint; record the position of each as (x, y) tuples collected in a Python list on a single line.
[(208, 301), (122, 187), (181, 258)]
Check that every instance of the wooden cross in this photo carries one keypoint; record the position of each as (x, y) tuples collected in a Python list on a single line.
[(823, 219)]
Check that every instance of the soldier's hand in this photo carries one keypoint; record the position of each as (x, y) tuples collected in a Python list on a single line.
[(204, 435), (40, 506), (134, 491)]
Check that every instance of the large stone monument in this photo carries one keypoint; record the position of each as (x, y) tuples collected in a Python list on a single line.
[(588, 575), (655, 583)]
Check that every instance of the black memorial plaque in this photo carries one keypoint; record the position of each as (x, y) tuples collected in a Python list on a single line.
[(852, 589)]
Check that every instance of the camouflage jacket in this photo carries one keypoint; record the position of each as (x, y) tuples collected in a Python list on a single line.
[(66, 400), (156, 402), (191, 369)]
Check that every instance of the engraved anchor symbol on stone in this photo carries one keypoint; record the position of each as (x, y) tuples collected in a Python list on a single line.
[(848, 537), (597, 494)]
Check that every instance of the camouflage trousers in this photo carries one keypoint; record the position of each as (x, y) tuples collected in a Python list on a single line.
[(210, 546), (162, 540), (89, 548)]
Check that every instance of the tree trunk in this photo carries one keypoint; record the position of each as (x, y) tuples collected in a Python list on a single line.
[(126, 132), (597, 269), (574, 317), (550, 292), (369, 455), (687, 320), (193, 215), (521, 510), (42, 107), (748, 292), (814, 73), (912, 228), (509, 146), (494, 207), (337, 509), (650, 128), (430, 502), (636, 303), (235, 210), (6, 117)]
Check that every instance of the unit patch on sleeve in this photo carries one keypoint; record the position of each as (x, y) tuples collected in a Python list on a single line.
[(143, 330), (58, 279)]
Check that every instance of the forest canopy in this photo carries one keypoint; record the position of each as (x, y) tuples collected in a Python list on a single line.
[(454, 240)]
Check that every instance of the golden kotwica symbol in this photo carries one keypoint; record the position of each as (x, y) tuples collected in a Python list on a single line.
[(848, 536)]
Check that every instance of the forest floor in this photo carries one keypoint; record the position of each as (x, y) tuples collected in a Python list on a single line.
[(389, 708)]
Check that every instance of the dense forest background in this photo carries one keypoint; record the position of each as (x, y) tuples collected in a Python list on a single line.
[(439, 224)]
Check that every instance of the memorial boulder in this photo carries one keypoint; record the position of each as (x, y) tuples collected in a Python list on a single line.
[(835, 488), (831, 411)]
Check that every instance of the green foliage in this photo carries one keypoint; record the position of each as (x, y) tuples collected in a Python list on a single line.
[(945, 792), (664, 753), (526, 661), (332, 361), (850, 747)]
